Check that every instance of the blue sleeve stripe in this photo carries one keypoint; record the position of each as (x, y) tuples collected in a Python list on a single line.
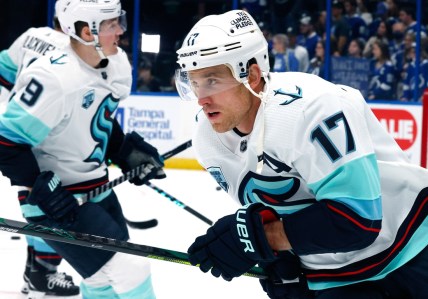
[(19, 126), (8, 68), (369, 209), (355, 184)]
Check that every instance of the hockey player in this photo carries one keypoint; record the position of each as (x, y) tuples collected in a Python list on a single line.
[(42, 260), (327, 195), (57, 134)]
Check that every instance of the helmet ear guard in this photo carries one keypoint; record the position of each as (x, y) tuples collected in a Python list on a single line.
[(232, 38)]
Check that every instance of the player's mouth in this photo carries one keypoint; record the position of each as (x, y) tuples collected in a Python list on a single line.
[(212, 115)]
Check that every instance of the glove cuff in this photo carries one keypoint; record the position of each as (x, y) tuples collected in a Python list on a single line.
[(250, 220)]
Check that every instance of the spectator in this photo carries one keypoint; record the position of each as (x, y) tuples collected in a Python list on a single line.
[(364, 12), (359, 28), (392, 9), (340, 27), (381, 35), (308, 37), (320, 24), (381, 73), (316, 65), (147, 82), (409, 82), (284, 14), (284, 58), (299, 51), (396, 49), (356, 47), (408, 17), (396, 42), (409, 40), (382, 14)]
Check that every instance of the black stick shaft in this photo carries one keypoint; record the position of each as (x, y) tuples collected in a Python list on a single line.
[(103, 243), (180, 204), (131, 174), (177, 150)]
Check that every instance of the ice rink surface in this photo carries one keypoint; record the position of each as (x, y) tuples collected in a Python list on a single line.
[(176, 230)]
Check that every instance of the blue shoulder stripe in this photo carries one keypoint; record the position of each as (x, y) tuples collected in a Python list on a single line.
[(355, 184)]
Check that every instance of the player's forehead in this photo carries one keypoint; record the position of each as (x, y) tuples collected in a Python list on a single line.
[(110, 21), (218, 71)]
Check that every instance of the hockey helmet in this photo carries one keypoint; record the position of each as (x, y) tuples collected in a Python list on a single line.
[(93, 12), (232, 39)]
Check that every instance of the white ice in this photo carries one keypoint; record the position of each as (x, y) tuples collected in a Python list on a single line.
[(176, 230)]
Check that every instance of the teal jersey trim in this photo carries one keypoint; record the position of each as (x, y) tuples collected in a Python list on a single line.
[(89, 292), (19, 126), (143, 291), (8, 68), (355, 184), (29, 211)]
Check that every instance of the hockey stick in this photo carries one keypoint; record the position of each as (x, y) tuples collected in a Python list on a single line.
[(142, 224), (130, 174), (103, 243), (180, 204), (153, 222)]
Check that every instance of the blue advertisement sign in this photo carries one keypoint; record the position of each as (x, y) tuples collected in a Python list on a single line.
[(352, 72)]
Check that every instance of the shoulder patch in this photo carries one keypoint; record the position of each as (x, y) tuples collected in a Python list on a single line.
[(294, 95), (88, 99), (218, 175), (58, 59)]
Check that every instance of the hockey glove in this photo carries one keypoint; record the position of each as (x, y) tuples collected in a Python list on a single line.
[(55, 201), (134, 152), (285, 280), (235, 243)]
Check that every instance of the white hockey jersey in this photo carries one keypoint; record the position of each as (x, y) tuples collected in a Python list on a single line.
[(32, 44), (321, 141), (63, 108)]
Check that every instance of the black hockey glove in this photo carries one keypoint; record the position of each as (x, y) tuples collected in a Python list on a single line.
[(285, 280), (135, 152), (235, 243), (55, 201)]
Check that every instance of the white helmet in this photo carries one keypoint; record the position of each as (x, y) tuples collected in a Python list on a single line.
[(232, 39), (92, 12)]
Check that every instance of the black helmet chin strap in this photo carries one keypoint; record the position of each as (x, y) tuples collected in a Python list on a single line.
[(104, 60)]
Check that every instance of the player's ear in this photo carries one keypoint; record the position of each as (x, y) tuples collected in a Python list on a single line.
[(254, 76), (86, 34)]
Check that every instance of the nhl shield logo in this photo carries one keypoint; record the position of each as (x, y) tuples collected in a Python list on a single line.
[(88, 99), (217, 174), (243, 146)]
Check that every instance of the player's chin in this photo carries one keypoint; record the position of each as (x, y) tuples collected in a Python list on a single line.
[(112, 50)]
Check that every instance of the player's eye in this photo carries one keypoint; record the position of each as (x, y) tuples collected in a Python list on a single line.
[(211, 81)]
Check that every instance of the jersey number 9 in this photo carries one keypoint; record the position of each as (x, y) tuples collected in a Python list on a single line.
[(32, 92)]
